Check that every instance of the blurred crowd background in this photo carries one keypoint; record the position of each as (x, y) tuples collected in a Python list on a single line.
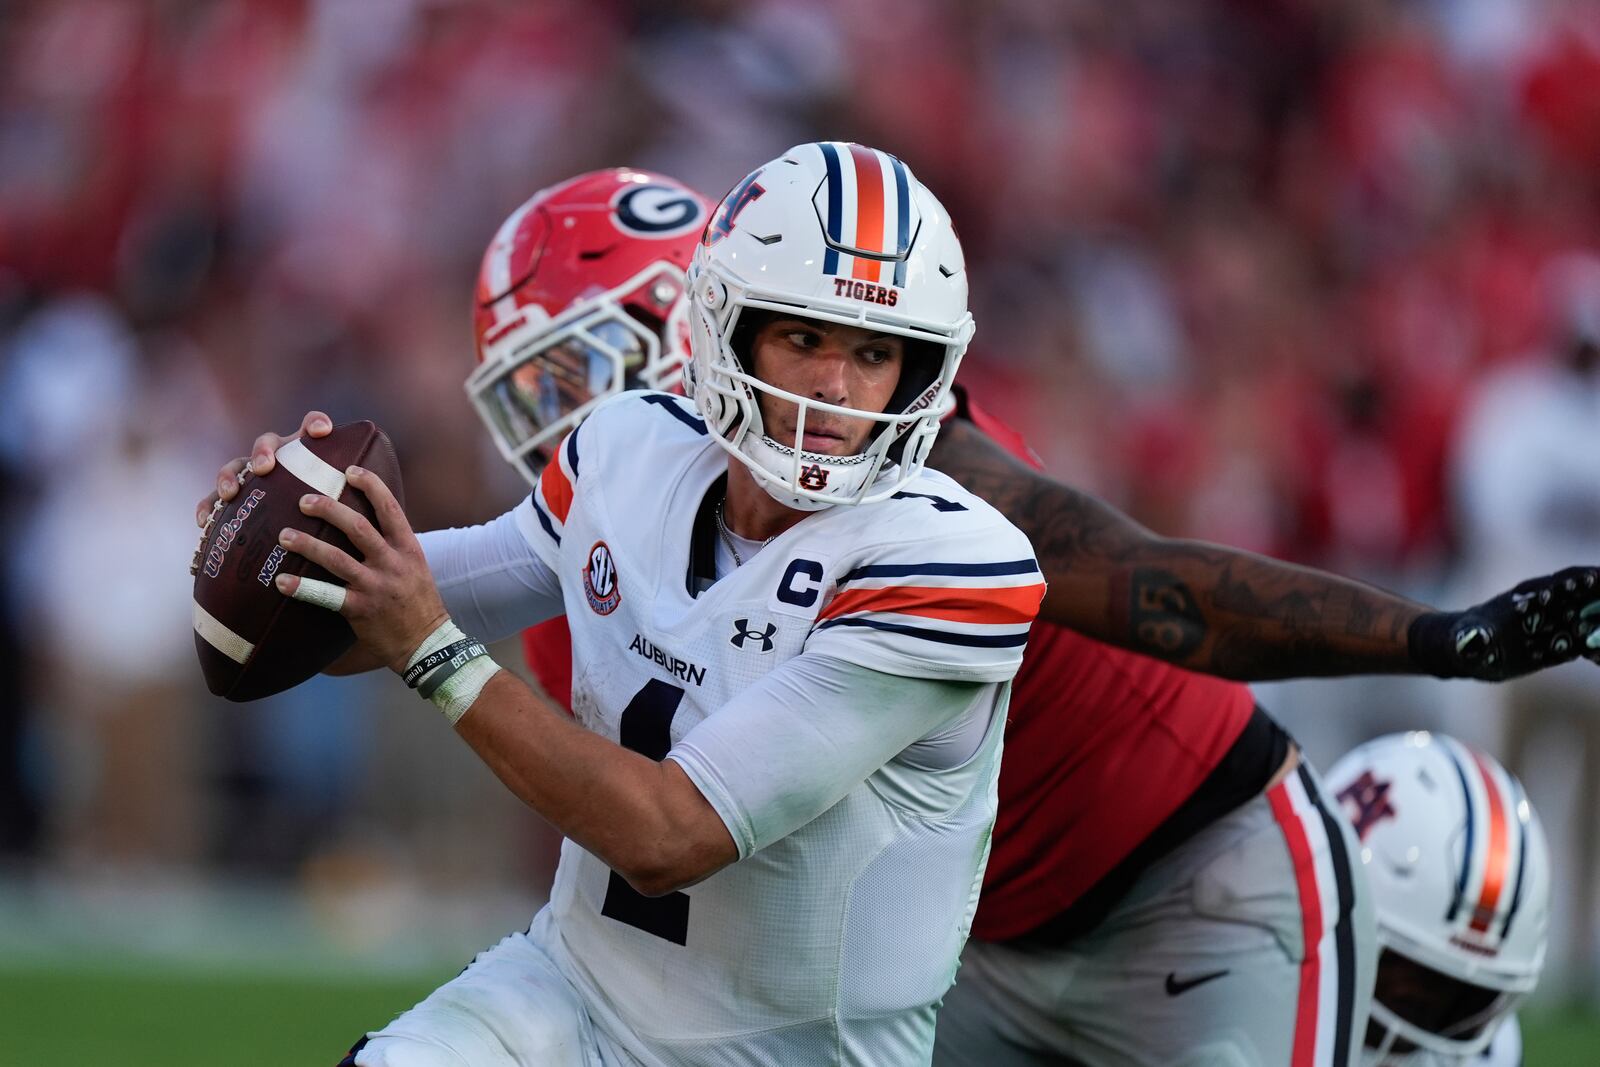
[(1318, 278)]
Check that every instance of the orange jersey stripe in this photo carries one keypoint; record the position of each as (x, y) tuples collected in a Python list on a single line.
[(1011, 604), (1498, 858), (869, 213), (556, 486)]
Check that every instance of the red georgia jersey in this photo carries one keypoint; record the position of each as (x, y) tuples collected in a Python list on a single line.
[(548, 649), (1101, 747)]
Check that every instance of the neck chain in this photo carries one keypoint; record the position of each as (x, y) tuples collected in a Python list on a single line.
[(727, 538)]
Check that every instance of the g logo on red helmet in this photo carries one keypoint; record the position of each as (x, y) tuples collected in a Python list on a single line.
[(656, 210)]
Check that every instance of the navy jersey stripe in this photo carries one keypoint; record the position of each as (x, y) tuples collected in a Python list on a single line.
[(544, 520), (939, 502), (966, 570), (942, 636), (1343, 933), (572, 451), (350, 1057), (671, 407), (830, 156)]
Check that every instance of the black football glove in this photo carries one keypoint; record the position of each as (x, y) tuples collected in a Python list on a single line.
[(1538, 624)]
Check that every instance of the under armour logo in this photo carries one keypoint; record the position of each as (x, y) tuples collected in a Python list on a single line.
[(743, 633)]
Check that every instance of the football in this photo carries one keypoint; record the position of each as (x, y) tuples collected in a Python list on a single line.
[(253, 641)]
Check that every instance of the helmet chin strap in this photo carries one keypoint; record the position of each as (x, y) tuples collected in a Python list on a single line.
[(777, 467), (848, 476)]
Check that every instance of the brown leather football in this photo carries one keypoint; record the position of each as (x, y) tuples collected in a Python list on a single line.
[(254, 641)]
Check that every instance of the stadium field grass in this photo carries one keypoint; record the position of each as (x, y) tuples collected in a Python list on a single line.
[(192, 1018), (1561, 1039), (166, 1016)]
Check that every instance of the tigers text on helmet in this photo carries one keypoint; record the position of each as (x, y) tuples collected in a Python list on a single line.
[(1460, 873), (840, 233), (579, 297)]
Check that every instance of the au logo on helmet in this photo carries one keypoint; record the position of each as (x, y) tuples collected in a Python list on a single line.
[(1366, 801), (742, 196), (600, 583), (814, 477)]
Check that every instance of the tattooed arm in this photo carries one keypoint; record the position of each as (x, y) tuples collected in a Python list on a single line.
[(1206, 607)]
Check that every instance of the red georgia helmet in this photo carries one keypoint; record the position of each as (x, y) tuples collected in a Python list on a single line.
[(580, 297)]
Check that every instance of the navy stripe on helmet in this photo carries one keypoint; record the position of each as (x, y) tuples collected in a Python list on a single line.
[(830, 156), (903, 235), (1472, 822), (1518, 799)]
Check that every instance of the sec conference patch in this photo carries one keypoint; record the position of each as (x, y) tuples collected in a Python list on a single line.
[(600, 583)]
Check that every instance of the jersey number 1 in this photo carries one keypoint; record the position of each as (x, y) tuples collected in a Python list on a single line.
[(646, 728)]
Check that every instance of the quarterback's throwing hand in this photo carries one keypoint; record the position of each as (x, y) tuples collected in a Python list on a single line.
[(262, 458), (388, 597), (1540, 623)]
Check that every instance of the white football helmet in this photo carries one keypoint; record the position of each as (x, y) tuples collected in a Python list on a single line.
[(844, 234), (1461, 876)]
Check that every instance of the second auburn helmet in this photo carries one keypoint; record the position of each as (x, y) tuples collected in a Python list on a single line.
[(1460, 873), (845, 234), (579, 297)]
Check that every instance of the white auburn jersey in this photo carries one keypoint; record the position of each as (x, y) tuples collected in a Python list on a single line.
[(834, 937)]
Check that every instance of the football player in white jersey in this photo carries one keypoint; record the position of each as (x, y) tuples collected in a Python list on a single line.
[(1460, 874), (792, 653)]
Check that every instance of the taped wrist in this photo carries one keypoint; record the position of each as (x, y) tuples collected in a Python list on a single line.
[(446, 633), (450, 669)]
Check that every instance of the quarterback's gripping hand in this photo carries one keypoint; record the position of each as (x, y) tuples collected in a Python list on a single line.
[(262, 458), (388, 597), (1538, 624)]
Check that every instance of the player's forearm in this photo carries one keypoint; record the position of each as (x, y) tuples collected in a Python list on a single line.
[(643, 819), (1204, 607), (1207, 607), (1234, 614)]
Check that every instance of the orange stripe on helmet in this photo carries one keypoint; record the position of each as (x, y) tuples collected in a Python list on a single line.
[(1498, 854), (869, 213), (1010, 604)]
